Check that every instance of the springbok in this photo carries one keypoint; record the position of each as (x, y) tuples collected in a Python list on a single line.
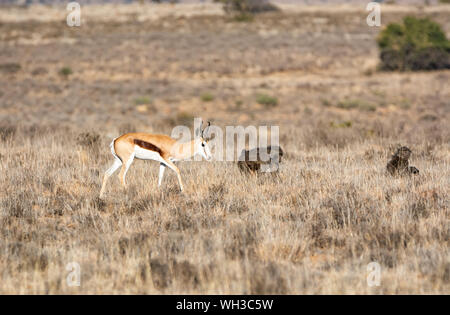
[(161, 148)]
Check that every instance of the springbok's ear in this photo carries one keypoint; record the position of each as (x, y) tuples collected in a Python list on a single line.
[(197, 132)]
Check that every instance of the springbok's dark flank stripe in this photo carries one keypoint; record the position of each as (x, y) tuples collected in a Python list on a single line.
[(147, 145)]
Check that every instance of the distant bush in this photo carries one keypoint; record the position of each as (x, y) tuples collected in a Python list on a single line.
[(266, 100), (89, 140), (344, 124), (356, 104), (10, 67), (417, 44), (7, 131), (243, 9), (142, 100), (207, 97), (65, 72), (184, 119), (243, 17), (39, 71)]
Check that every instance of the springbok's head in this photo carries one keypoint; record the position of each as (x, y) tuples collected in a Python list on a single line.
[(201, 142)]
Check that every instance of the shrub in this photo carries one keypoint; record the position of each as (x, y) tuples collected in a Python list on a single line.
[(243, 9), (39, 71), (7, 131), (89, 140), (65, 72), (243, 17), (266, 100), (344, 124), (144, 100), (207, 97), (10, 67), (417, 44), (184, 119), (356, 104)]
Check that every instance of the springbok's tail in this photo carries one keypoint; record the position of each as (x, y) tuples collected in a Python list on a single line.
[(113, 151)]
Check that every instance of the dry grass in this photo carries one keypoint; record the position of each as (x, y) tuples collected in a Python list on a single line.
[(313, 228)]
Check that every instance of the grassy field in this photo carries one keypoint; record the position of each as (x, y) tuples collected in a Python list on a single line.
[(65, 93)]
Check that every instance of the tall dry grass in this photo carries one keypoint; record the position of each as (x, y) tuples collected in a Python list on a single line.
[(313, 228)]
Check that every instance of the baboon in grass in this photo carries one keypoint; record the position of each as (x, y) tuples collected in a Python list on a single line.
[(255, 160), (399, 163)]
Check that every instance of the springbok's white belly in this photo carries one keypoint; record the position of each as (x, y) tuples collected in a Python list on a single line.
[(145, 154)]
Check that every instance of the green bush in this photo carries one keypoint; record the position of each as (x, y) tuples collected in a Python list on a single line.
[(266, 100), (417, 44), (65, 72), (184, 119), (143, 100), (356, 104), (246, 7), (207, 97), (10, 67)]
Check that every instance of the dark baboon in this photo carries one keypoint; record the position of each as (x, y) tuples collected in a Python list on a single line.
[(399, 163), (253, 160)]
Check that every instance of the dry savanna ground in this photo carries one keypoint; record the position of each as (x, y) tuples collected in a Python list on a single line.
[(312, 228)]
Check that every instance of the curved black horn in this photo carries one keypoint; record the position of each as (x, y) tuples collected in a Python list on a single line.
[(203, 131)]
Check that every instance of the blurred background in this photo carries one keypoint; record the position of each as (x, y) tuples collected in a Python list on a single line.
[(148, 66)]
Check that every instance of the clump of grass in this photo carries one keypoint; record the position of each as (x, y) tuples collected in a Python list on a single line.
[(143, 100), (267, 100), (65, 72), (367, 107), (344, 124), (244, 10), (348, 104), (207, 97), (325, 102), (267, 279), (7, 131), (19, 205), (184, 119), (237, 105), (89, 140), (356, 104), (10, 67), (243, 17), (39, 71)]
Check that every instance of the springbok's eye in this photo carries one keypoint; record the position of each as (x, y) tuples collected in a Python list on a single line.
[(203, 144)]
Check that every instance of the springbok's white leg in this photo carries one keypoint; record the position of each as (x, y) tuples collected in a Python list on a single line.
[(117, 163), (162, 168)]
